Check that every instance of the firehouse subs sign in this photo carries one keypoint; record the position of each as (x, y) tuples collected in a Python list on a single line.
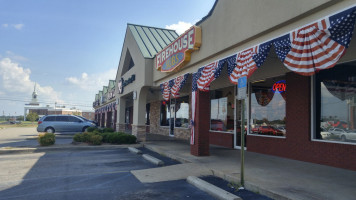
[(176, 54)]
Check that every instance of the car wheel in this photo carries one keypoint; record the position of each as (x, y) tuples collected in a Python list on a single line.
[(343, 138), (85, 129), (49, 130)]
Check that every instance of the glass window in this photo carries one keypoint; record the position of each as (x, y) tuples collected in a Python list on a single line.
[(268, 107), (335, 104), (73, 119), (182, 112), (49, 119), (165, 113), (222, 109), (62, 118)]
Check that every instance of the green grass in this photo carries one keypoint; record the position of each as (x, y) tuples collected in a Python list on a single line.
[(23, 124)]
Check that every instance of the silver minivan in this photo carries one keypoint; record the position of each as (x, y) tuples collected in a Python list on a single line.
[(63, 123)]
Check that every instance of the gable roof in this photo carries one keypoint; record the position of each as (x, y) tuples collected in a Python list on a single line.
[(151, 40)]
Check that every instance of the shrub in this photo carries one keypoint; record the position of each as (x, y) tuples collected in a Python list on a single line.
[(105, 137), (96, 139), (91, 129), (86, 137), (96, 131), (46, 139), (78, 137), (110, 130)]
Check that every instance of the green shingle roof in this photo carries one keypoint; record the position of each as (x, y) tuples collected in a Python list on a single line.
[(151, 40), (105, 89), (111, 84)]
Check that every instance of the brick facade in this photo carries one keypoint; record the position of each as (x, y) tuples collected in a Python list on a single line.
[(201, 125), (156, 128), (222, 139), (298, 144)]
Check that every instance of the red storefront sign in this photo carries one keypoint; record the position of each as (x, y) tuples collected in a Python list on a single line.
[(176, 54)]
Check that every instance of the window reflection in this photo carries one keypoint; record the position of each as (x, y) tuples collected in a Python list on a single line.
[(335, 98), (268, 107), (221, 109)]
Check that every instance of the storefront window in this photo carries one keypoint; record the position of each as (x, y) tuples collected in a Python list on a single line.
[(335, 104), (165, 113), (182, 112), (222, 109), (268, 107)]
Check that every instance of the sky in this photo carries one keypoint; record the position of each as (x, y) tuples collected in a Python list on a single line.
[(71, 48)]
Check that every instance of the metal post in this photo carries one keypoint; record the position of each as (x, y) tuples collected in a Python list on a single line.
[(243, 143)]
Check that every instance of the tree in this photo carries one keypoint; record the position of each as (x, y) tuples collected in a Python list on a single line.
[(32, 116), (77, 113)]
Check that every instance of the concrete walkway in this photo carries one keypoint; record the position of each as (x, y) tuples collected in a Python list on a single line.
[(276, 177)]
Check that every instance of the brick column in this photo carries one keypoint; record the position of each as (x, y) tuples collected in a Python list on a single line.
[(201, 125)]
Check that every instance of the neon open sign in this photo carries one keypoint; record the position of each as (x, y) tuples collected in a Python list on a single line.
[(279, 86)]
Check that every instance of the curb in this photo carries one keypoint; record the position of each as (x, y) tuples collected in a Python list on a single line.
[(57, 137), (211, 189), (227, 177), (249, 186), (171, 156), (134, 150), (153, 160), (6, 150)]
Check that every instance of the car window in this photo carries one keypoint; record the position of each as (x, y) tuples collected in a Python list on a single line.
[(74, 119), (62, 118), (264, 126), (49, 119)]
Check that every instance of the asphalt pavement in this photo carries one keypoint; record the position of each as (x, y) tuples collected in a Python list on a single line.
[(90, 174)]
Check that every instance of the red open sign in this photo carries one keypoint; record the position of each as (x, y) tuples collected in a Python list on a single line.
[(279, 86)]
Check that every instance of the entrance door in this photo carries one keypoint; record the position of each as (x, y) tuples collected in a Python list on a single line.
[(238, 117), (172, 119)]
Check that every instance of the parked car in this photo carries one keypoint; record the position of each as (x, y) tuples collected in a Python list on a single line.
[(336, 131), (267, 130), (343, 134), (324, 133), (282, 128), (96, 123), (349, 135), (217, 125), (63, 123)]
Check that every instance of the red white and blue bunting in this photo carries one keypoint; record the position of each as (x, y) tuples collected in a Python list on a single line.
[(172, 87), (317, 46), (305, 51), (107, 108)]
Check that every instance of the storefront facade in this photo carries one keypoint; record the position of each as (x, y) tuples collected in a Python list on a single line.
[(105, 106), (301, 108)]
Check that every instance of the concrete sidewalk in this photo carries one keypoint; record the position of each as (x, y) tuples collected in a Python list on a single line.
[(276, 177)]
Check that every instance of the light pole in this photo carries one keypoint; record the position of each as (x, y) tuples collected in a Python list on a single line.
[(55, 105)]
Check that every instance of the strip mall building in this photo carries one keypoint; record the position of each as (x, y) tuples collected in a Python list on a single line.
[(299, 61)]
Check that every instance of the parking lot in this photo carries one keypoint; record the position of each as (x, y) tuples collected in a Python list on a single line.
[(93, 174)]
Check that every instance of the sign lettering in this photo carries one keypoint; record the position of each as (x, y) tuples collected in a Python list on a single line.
[(176, 54), (279, 87)]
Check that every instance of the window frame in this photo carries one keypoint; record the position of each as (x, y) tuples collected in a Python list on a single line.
[(313, 115), (175, 107)]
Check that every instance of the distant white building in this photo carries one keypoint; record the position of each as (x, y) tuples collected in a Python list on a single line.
[(34, 106)]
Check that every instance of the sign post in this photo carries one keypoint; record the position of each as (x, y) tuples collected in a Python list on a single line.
[(241, 95)]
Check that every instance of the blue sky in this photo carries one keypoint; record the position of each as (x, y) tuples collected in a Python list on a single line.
[(71, 48)]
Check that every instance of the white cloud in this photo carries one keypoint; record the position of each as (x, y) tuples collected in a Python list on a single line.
[(92, 82), (18, 26), (15, 80), (5, 25), (14, 57), (180, 27)]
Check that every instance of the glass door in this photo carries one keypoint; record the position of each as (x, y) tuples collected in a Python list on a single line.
[(238, 117)]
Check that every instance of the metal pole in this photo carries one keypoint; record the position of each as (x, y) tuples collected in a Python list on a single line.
[(243, 143)]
